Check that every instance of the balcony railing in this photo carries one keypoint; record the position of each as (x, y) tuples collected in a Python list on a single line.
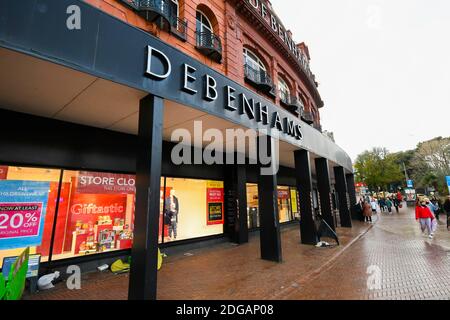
[(308, 117), (156, 8), (291, 103), (179, 27), (160, 11), (209, 44), (259, 78)]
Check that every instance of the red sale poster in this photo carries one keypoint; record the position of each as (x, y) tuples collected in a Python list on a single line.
[(24, 219), (214, 202)]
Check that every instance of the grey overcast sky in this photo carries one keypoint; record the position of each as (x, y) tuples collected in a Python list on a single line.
[(383, 68)]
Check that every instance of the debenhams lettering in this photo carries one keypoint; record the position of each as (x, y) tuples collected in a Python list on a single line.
[(234, 101)]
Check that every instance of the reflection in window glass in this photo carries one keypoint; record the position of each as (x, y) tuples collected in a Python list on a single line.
[(192, 208), (284, 211), (27, 209), (252, 206), (202, 23)]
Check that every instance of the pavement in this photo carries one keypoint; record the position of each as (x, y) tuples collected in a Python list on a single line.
[(388, 259)]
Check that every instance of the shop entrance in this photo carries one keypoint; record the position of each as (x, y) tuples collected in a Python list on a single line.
[(288, 208)]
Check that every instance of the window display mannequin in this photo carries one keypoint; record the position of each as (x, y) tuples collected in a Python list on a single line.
[(172, 209)]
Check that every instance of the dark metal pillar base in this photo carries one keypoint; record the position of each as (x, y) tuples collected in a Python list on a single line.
[(308, 232), (350, 178), (324, 188), (144, 254), (341, 189), (268, 207), (236, 225)]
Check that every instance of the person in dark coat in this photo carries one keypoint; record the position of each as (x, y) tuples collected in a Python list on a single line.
[(447, 211)]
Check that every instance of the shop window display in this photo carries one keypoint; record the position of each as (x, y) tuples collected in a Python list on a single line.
[(27, 209), (95, 213), (288, 208), (252, 206), (295, 200), (284, 207), (192, 208)]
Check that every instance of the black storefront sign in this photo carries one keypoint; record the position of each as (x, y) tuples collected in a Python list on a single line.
[(111, 49)]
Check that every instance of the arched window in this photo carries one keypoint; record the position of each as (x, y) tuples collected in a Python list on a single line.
[(203, 23), (252, 61), (283, 90)]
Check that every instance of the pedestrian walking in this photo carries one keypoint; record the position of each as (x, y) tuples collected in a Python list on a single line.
[(438, 205), (367, 211), (433, 208), (396, 203), (359, 209), (374, 205), (389, 205), (447, 211), (382, 204), (424, 216)]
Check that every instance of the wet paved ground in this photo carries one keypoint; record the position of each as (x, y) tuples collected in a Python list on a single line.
[(411, 267)]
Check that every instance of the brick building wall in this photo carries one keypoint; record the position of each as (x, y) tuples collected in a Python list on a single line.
[(236, 31)]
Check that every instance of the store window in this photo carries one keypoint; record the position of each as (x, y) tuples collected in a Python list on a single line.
[(192, 208), (288, 208), (27, 210), (284, 204), (95, 213), (252, 206)]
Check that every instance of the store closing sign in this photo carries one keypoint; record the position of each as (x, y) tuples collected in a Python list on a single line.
[(214, 202), (22, 212), (105, 183)]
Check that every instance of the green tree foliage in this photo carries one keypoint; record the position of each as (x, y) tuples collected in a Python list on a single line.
[(378, 168), (431, 163)]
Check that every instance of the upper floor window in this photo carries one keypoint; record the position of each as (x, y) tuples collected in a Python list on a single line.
[(203, 23), (175, 7), (284, 90), (207, 41), (252, 61)]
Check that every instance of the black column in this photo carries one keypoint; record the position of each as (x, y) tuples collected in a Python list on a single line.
[(350, 178), (308, 232), (268, 207), (144, 254), (341, 189), (236, 225), (324, 188)]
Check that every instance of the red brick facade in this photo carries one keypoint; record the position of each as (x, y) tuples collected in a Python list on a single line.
[(239, 24)]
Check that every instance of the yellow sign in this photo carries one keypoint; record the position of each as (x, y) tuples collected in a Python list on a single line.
[(214, 184), (294, 200)]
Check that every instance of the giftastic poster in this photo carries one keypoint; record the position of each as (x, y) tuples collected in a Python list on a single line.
[(22, 213)]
